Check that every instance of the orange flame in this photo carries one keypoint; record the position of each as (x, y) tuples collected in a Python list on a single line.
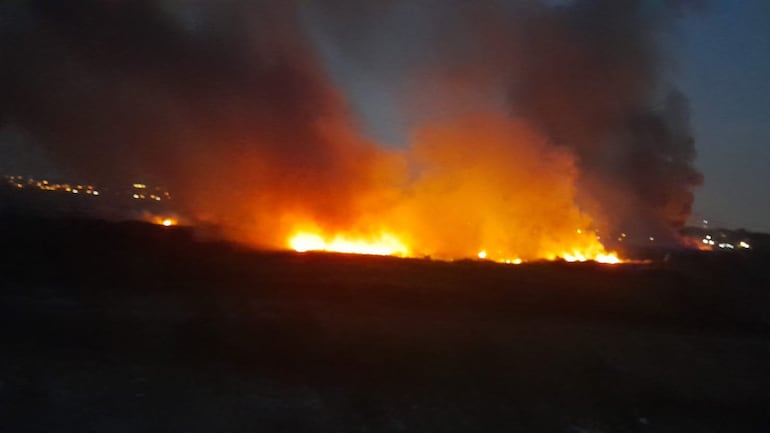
[(165, 221), (383, 245), (484, 183), (486, 188), (389, 245)]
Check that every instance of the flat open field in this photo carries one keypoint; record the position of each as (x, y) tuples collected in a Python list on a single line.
[(134, 328)]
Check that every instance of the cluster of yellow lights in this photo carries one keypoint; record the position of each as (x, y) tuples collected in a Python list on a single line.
[(43, 185), (387, 244), (140, 195), (383, 245)]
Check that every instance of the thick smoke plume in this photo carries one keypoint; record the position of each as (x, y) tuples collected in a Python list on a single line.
[(517, 111), (590, 78), (590, 75), (224, 102)]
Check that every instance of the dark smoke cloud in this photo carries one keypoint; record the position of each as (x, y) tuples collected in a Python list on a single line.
[(229, 99), (222, 99), (592, 75)]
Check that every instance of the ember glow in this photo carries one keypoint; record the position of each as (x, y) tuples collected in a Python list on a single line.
[(166, 221)]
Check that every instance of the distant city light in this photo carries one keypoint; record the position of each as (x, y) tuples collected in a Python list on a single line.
[(46, 185)]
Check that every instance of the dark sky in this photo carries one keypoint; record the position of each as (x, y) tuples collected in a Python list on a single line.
[(725, 71)]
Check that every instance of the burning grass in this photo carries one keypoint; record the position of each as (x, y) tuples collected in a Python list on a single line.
[(482, 186)]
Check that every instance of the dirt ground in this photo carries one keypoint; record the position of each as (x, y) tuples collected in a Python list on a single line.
[(128, 327)]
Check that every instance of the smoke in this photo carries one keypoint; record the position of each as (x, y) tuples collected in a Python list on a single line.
[(231, 105), (592, 76), (492, 184), (224, 102)]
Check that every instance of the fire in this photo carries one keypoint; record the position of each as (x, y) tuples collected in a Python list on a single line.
[(162, 220), (484, 188), (387, 244), (611, 258), (383, 245), (573, 256)]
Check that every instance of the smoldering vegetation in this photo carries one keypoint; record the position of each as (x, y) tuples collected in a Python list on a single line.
[(126, 327)]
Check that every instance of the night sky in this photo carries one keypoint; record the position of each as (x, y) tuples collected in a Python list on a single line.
[(725, 71)]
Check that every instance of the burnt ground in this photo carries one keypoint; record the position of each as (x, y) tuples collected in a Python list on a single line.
[(128, 327)]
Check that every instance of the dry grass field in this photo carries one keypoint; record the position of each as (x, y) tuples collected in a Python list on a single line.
[(128, 327)]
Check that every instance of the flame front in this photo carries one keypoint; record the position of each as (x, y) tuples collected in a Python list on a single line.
[(390, 245), (483, 187), (382, 245)]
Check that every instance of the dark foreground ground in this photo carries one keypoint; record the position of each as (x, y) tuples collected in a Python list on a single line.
[(135, 328)]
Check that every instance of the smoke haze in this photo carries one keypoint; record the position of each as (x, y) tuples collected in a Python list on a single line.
[(591, 76), (526, 119)]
